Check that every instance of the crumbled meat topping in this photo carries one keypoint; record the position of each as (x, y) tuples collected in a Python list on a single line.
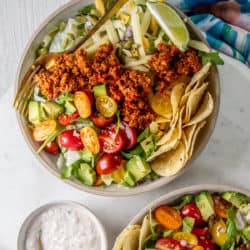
[(73, 72), (169, 64)]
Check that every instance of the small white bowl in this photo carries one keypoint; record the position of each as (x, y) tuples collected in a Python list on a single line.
[(31, 218), (179, 193)]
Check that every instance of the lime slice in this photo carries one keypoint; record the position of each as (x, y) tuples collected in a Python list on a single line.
[(171, 23)]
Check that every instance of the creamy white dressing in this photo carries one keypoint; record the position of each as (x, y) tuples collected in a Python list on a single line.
[(63, 227)]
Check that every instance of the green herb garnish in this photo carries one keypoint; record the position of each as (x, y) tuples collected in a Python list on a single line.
[(213, 57)]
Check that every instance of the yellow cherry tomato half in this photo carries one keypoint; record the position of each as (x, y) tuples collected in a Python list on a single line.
[(198, 248), (161, 105), (219, 232), (106, 106), (90, 140), (82, 103), (44, 129), (191, 239)]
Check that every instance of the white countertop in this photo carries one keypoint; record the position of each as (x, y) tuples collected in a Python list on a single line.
[(25, 184)]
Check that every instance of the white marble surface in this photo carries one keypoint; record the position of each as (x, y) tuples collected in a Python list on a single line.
[(25, 184)]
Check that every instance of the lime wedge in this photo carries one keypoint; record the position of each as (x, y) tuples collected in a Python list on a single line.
[(171, 23)]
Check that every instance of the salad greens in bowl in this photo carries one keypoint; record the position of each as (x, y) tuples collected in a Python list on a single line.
[(131, 108), (204, 217)]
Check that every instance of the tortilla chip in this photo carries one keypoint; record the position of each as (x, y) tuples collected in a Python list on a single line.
[(199, 76), (128, 238), (185, 141), (176, 95), (189, 133), (171, 162), (194, 100), (170, 132), (145, 231), (204, 111), (171, 144), (194, 138), (184, 99)]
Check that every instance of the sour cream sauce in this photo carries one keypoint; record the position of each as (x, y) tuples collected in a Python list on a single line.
[(63, 227)]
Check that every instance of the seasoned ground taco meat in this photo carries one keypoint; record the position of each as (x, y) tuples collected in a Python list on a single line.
[(169, 64), (73, 72), (129, 88)]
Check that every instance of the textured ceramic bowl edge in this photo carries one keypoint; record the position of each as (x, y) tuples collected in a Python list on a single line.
[(104, 192)]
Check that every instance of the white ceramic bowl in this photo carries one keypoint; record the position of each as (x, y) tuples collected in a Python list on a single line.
[(49, 161), (30, 219), (179, 193)]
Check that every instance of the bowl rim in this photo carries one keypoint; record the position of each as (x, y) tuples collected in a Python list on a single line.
[(178, 193), (102, 192), (36, 212)]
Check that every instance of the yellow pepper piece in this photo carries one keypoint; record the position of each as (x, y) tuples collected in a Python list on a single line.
[(131, 5), (100, 7), (124, 17), (154, 27), (146, 43), (118, 175)]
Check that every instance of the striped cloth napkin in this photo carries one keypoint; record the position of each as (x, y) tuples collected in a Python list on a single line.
[(225, 24)]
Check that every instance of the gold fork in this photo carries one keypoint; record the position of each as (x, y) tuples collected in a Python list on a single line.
[(27, 86)]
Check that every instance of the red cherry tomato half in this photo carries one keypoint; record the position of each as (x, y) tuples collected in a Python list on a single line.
[(207, 244), (52, 148), (200, 232), (108, 163), (169, 244), (129, 136), (191, 210), (66, 120), (70, 139), (101, 121), (109, 141)]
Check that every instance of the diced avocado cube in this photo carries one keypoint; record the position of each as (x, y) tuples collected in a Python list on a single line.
[(148, 146), (246, 232), (100, 90), (128, 180), (205, 203), (237, 199), (69, 108), (86, 156), (86, 174), (188, 224), (138, 168), (52, 109), (34, 112), (42, 114)]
